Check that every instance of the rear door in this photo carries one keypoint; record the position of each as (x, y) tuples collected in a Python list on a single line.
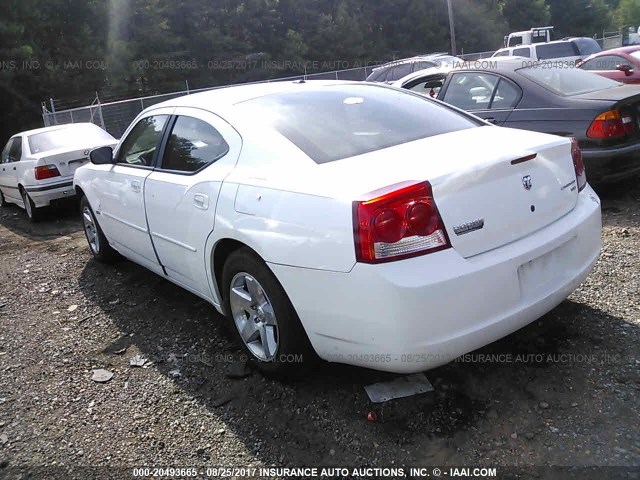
[(487, 95), (181, 194), (120, 189)]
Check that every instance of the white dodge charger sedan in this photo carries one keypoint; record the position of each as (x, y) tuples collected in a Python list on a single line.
[(37, 166), (357, 223)]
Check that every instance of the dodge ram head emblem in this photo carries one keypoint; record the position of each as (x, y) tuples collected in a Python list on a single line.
[(526, 182)]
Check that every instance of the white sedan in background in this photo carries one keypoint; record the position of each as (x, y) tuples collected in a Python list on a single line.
[(354, 222), (37, 166)]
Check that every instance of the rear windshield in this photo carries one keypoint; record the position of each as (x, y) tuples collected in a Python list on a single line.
[(77, 135), (556, 50), (567, 82), (331, 123)]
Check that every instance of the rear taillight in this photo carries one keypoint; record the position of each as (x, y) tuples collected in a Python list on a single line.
[(46, 171), (611, 125), (398, 222), (578, 165)]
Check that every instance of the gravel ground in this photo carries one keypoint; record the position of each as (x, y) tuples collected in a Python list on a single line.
[(565, 393)]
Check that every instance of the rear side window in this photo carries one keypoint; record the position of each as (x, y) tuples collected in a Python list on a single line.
[(471, 91), (193, 145), (506, 96), (522, 52), (556, 50), (376, 74), (336, 122), (400, 71), (587, 46)]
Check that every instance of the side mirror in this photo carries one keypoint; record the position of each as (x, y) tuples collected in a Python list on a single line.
[(102, 156), (626, 69)]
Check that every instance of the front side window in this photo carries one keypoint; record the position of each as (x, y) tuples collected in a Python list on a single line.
[(556, 50), (193, 144), (471, 91), (15, 150), (427, 86), (139, 148)]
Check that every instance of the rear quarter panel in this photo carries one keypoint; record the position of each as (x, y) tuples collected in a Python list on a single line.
[(274, 202)]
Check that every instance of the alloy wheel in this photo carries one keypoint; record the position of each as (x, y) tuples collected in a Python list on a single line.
[(254, 316)]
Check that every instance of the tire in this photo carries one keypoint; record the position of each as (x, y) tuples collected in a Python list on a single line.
[(98, 243), (34, 214), (3, 202), (274, 340)]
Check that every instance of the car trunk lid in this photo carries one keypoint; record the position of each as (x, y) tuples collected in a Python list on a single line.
[(492, 185), (66, 160)]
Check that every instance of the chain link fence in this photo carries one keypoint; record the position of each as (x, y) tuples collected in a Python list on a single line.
[(115, 117)]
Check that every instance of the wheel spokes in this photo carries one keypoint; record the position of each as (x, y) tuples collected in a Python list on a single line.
[(241, 299), (249, 332), (254, 316)]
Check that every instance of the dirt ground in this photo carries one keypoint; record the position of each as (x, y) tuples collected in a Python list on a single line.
[(562, 391)]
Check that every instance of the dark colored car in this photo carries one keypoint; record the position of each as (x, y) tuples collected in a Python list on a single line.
[(604, 115), (620, 64), (392, 71)]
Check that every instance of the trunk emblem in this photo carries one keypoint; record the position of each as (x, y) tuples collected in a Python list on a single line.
[(469, 227), (526, 182)]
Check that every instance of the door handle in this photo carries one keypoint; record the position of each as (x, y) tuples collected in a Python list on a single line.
[(201, 201), (14, 168), (135, 186)]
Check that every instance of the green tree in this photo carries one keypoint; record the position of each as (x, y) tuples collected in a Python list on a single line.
[(525, 14), (627, 13), (579, 17)]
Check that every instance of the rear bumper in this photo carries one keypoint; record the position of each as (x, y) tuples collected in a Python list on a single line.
[(43, 194), (612, 164), (419, 313)]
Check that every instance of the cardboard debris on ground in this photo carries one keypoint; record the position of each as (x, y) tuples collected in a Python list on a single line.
[(401, 387)]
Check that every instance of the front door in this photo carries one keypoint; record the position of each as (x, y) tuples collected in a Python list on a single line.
[(11, 154), (120, 208)]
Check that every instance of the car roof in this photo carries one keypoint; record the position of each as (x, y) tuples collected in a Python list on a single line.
[(417, 58), (563, 40), (613, 51), (224, 98), (55, 127)]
